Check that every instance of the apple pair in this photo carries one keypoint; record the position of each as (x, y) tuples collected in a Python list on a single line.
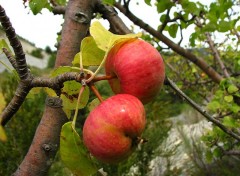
[(113, 129)]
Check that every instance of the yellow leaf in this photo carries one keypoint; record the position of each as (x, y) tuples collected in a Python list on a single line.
[(105, 39), (2, 102), (3, 136)]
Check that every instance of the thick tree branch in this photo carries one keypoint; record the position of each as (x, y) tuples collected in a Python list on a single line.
[(10, 58), (15, 43), (216, 77), (59, 10), (15, 103), (116, 24)]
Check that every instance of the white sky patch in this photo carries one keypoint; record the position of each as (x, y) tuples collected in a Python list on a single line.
[(42, 29)]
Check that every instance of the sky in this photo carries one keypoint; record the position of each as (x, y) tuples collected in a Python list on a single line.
[(42, 29)]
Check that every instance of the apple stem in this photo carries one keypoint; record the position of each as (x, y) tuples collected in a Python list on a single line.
[(78, 101), (95, 91), (106, 77)]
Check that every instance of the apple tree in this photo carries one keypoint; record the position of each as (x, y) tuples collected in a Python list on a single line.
[(204, 73)]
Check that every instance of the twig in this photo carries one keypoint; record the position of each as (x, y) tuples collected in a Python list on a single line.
[(217, 55), (95, 91), (199, 109), (215, 52)]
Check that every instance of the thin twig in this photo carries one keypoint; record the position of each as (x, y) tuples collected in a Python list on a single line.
[(95, 91), (199, 109)]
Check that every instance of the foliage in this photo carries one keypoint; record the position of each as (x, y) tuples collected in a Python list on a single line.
[(37, 53), (21, 129), (51, 60)]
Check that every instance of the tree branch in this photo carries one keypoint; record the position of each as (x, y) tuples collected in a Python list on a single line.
[(15, 103), (215, 52), (15, 43), (116, 24), (59, 10), (11, 58), (216, 55), (216, 77), (202, 111)]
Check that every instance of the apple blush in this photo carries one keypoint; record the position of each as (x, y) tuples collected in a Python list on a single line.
[(113, 129)]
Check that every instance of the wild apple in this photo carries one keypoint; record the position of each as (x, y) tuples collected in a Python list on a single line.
[(138, 68), (113, 129)]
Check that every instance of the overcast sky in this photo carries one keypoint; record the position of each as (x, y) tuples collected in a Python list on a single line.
[(42, 28)]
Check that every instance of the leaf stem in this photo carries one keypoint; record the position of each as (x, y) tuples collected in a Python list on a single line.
[(76, 109), (99, 67)]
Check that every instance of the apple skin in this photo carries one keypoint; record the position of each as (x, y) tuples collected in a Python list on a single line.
[(138, 67), (112, 130)]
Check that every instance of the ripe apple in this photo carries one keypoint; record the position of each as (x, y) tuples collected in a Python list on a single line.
[(138, 67), (113, 129)]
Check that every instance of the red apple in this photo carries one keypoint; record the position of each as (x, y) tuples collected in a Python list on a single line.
[(138, 67), (112, 129)]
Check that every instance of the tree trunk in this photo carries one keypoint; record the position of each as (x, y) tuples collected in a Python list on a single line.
[(46, 141)]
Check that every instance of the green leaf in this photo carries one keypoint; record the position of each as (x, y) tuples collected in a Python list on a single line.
[(61, 2), (64, 69), (70, 93), (229, 122), (91, 54), (172, 30), (190, 7), (105, 39), (164, 5), (210, 27), (224, 26), (3, 136), (2, 102), (148, 2), (217, 152), (213, 105), (232, 89), (37, 5), (163, 18), (109, 2), (234, 108), (228, 98), (73, 152), (193, 39), (93, 104), (209, 156)]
